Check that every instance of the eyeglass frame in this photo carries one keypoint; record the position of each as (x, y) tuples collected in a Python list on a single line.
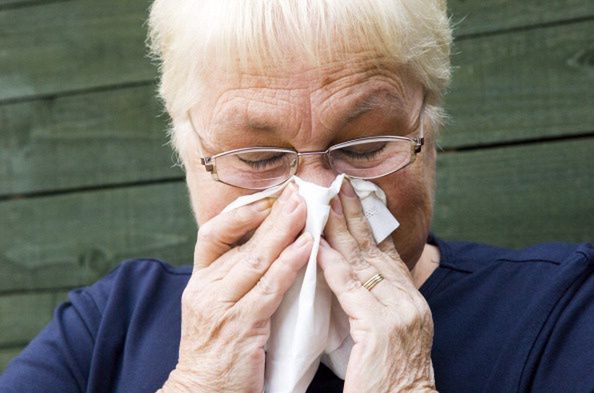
[(417, 144)]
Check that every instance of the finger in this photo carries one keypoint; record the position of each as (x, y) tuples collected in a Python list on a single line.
[(355, 217), (243, 266), (264, 298), (389, 264), (387, 246), (337, 233), (364, 270), (355, 300), (392, 264), (218, 235), (346, 226), (363, 262)]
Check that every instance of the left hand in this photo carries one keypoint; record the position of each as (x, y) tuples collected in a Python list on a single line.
[(390, 324)]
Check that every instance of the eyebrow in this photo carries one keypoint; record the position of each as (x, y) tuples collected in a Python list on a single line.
[(386, 100)]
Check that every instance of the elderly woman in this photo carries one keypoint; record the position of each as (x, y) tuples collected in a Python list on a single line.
[(259, 91)]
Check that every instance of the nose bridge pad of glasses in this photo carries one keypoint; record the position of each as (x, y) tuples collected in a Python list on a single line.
[(295, 162)]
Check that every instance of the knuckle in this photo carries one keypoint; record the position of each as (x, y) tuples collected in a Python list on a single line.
[(280, 225), (360, 264), (366, 244), (350, 245), (361, 222), (265, 286), (206, 232), (255, 262), (241, 215), (352, 284), (409, 317), (423, 309), (415, 313), (373, 253)]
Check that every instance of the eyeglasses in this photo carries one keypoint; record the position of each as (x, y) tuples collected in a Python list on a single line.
[(257, 168)]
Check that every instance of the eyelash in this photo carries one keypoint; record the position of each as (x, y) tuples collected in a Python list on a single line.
[(260, 164), (366, 155)]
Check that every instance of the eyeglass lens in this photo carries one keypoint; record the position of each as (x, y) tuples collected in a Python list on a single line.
[(262, 168)]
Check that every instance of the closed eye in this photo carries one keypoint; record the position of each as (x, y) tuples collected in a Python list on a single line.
[(262, 163), (366, 154)]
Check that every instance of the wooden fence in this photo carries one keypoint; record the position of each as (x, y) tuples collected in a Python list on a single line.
[(87, 181)]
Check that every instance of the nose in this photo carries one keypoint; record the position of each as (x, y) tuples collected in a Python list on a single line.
[(315, 169)]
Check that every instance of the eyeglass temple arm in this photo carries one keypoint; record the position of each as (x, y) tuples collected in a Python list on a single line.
[(421, 139), (206, 161)]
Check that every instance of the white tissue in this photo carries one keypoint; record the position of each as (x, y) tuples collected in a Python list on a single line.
[(309, 325)]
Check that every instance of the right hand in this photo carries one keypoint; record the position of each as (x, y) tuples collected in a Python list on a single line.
[(233, 292)]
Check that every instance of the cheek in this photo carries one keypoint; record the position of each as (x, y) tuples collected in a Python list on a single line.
[(409, 195), (209, 197)]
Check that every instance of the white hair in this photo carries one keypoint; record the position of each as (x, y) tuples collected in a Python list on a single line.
[(190, 37)]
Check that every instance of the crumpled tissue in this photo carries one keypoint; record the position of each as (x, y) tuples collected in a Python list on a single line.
[(309, 325)]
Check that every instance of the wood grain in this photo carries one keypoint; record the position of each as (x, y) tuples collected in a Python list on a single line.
[(24, 315), (72, 45), (83, 44), (524, 187), (509, 87), (82, 140), (23, 3), (519, 195), (71, 240), (525, 85), (476, 16)]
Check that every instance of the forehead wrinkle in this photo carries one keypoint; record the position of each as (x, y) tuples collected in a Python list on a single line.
[(384, 100), (271, 110), (240, 115), (260, 111), (386, 95)]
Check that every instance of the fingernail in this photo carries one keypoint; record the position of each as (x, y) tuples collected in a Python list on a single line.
[(262, 205), (347, 189), (336, 206), (303, 240)]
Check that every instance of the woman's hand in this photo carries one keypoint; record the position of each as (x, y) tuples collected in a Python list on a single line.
[(233, 292), (390, 324)]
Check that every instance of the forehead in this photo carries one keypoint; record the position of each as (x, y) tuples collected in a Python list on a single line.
[(295, 76), (331, 94)]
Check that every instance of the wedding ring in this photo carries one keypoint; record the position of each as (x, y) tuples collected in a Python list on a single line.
[(373, 281)]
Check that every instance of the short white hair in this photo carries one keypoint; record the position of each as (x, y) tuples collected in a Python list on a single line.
[(189, 37)]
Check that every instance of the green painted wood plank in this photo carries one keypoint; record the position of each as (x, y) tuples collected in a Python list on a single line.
[(24, 315), (7, 354), (72, 240), (522, 85), (510, 196), (26, 3), (4, 3), (477, 16), (525, 85), (518, 195), (72, 45), (82, 140), (83, 44)]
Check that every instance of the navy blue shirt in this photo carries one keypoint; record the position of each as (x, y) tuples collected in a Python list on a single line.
[(505, 321)]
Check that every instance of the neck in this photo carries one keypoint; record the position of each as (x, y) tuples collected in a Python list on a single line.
[(428, 262)]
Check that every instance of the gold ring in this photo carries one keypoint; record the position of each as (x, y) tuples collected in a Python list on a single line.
[(373, 281)]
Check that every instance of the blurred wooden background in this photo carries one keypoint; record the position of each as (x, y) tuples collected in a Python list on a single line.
[(86, 179)]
